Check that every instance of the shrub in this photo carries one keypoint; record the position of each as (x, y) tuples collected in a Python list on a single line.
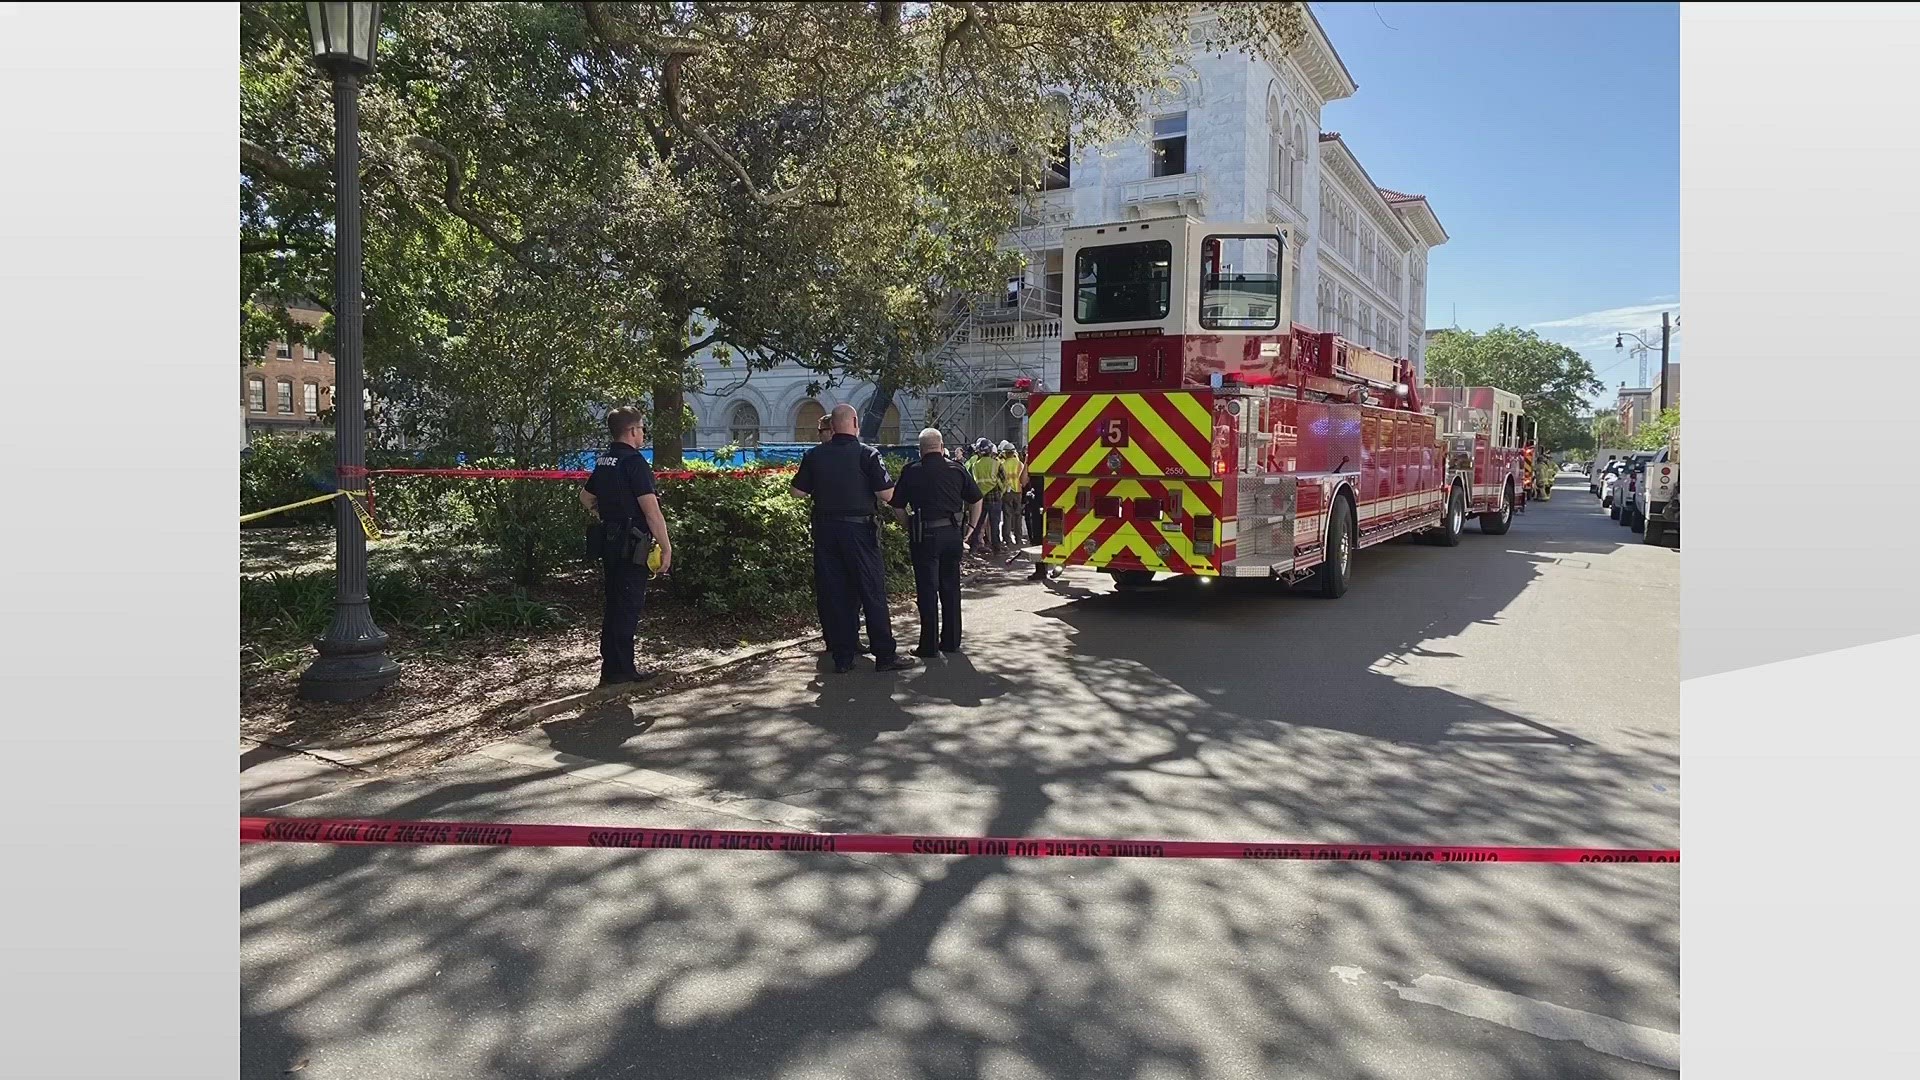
[(282, 469), (416, 503), (495, 612), (531, 527), (742, 542), (300, 605)]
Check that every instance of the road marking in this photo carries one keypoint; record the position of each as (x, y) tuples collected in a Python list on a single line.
[(1616, 1038)]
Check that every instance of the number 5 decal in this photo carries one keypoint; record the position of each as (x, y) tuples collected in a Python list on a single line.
[(1113, 431)]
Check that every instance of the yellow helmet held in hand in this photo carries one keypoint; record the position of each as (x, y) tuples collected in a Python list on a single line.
[(653, 560)]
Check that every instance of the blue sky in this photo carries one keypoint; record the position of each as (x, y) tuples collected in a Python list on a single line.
[(1547, 137)]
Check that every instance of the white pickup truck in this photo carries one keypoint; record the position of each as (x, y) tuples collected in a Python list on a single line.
[(1657, 501)]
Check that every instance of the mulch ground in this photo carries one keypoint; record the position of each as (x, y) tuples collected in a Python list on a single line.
[(452, 698)]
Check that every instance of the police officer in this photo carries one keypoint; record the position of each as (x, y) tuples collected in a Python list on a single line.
[(844, 477), (619, 494), (940, 501)]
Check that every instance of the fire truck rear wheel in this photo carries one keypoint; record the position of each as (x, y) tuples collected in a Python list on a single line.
[(1498, 522), (1132, 579), (1333, 576)]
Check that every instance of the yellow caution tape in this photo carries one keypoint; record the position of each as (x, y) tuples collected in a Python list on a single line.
[(258, 514), (366, 519)]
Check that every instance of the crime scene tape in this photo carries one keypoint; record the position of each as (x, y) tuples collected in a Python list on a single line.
[(365, 515), (367, 524), (256, 830), (258, 514)]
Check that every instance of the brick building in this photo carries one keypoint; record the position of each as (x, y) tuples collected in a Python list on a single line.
[(288, 387)]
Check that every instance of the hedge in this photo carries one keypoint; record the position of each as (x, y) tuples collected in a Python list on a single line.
[(741, 540)]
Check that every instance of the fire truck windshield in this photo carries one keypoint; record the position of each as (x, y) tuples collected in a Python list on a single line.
[(1123, 282), (1240, 283)]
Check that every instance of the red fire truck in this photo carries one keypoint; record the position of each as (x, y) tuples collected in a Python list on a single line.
[(1199, 432)]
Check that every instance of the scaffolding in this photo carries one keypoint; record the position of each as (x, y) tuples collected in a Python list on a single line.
[(995, 341)]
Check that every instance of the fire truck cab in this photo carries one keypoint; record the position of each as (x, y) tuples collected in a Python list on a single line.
[(1199, 431)]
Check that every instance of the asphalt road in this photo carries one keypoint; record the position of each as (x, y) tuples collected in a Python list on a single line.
[(1513, 690)]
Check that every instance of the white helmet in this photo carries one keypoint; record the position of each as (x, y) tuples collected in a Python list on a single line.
[(1005, 447)]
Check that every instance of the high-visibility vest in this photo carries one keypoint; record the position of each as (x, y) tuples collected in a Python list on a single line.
[(1009, 475), (986, 472)]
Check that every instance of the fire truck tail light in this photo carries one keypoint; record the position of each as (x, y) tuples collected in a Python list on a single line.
[(1146, 509), (1082, 368), (1107, 506), (1056, 526), (1203, 536), (1083, 500)]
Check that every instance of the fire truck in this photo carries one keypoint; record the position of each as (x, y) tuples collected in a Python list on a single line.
[(1197, 431)]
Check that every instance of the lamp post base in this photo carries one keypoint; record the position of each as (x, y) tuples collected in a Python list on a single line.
[(349, 671)]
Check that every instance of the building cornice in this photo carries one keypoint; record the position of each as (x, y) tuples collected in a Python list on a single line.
[(1418, 215), (1337, 159), (1320, 63)]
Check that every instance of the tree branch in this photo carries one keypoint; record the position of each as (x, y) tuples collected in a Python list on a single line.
[(675, 52), (279, 169), (676, 114), (618, 33), (717, 336), (455, 200)]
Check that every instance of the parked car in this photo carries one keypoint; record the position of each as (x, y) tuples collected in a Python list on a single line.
[(1602, 458), (1626, 508), (1605, 482)]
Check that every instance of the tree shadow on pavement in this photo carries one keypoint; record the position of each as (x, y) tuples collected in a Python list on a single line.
[(1236, 715)]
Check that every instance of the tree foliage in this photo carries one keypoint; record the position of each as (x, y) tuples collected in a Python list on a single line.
[(1654, 434), (1553, 381), (1609, 432), (805, 182)]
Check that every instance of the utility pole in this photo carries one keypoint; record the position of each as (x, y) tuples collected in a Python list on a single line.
[(1666, 373)]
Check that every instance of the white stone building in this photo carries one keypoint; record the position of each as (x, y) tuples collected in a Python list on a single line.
[(1240, 140)]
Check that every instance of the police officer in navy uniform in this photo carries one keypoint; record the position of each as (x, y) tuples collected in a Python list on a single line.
[(619, 493), (848, 482), (945, 502)]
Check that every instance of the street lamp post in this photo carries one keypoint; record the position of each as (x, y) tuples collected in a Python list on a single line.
[(353, 661), (1666, 341)]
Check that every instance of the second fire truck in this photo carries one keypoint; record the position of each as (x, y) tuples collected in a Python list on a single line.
[(1198, 431)]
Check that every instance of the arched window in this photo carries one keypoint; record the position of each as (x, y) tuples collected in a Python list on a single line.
[(743, 424), (1299, 164), (1285, 166), (806, 421), (1277, 157), (890, 427)]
